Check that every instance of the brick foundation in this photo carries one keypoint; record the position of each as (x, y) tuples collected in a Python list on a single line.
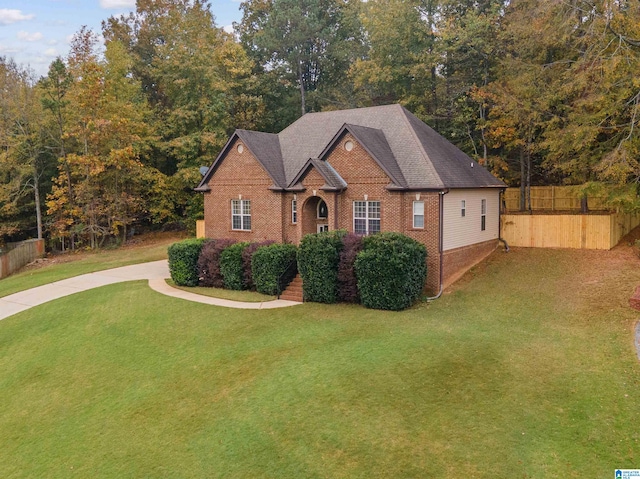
[(458, 261)]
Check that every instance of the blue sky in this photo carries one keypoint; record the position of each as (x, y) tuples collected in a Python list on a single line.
[(35, 32)]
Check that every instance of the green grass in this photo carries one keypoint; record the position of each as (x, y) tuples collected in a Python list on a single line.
[(527, 370), (87, 262), (233, 295)]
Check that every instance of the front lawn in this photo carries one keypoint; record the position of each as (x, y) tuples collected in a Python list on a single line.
[(152, 247), (230, 294), (526, 369)]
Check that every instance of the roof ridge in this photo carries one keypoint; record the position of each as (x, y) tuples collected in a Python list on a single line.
[(419, 143)]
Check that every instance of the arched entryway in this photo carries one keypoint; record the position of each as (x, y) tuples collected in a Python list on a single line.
[(315, 216)]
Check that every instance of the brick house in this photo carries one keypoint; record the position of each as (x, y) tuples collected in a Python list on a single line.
[(363, 170)]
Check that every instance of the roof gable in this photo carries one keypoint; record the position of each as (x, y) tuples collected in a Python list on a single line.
[(332, 178), (265, 147), (375, 143), (410, 152)]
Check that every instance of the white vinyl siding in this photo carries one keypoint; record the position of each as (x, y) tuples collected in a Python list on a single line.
[(466, 230)]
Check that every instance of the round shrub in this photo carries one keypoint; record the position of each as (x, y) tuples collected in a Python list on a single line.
[(209, 274), (318, 258), (231, 266), (347, 282), (269, 263), (391, 270), (183, 259), (247, 253)]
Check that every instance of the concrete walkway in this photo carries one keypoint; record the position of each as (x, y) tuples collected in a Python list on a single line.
[(156, 272)]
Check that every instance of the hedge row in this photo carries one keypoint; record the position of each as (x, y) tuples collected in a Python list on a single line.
[(268, 265), (183, 260), (209, 273), (318, 259), (224, 263), (391, 271), (382, 271), (231, 266)]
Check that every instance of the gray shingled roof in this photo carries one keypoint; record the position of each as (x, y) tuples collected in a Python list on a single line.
[(264, 146), (333, 180), (374, 141), (413, 154)]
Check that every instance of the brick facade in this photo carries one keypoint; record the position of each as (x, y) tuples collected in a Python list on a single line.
[(240, 176), (458, 261)]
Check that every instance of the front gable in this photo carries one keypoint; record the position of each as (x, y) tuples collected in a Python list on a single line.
[(351, 160), (245, 146), (237, 165)]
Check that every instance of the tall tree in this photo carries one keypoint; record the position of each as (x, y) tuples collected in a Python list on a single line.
[(23, 158), (310, 43)]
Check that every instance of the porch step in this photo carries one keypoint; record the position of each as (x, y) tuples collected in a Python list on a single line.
[(294, 290)]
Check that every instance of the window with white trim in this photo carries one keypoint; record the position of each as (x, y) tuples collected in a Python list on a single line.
[(418, 214), (366, 217), (463, 208), (241, 215), (483, 215), (294, 211)]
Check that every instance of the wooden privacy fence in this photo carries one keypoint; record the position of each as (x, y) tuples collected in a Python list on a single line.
[(200, 229), (19, 255), (552, 198), (567, 231)]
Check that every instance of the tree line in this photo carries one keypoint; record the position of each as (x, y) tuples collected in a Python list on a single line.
[(539, 91)]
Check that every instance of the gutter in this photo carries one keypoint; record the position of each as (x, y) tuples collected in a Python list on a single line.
[(441, 244)]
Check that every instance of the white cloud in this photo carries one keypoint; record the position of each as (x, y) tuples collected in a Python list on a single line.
[(52, 42), (117, 3), (228, 28), (29, 37), (51, 52), (7, 16), (9, 50)]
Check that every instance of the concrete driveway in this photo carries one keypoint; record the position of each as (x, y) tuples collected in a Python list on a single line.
[(155, 272)]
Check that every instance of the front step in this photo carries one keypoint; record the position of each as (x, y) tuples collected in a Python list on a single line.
[(294, 290)]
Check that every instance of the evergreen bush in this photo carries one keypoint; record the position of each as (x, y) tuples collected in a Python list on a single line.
[(268, 263), (231, 266), (183, 259), (209, 274), (247, 253), (391, 270), (318, 258), (347, 282)]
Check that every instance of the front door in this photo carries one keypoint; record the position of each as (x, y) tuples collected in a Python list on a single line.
[(323, 228)]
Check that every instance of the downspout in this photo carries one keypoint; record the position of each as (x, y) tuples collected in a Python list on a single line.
[(506, 246), (440, 243)]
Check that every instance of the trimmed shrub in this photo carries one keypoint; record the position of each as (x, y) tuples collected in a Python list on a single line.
[(183, 259), (318, 258), (209, 263), (269, 263), (247, 253), (391, 271), (231, 266), (347, 282)]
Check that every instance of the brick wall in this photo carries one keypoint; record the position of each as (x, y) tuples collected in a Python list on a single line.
[(458, 261), (240, 175)]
